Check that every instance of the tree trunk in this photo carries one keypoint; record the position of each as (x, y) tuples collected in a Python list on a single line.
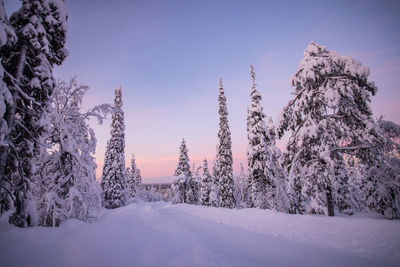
[(329, 200)]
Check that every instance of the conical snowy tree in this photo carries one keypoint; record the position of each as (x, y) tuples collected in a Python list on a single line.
[(134, 180), (214, 191), (243, 188), (138, 184), (329, 116), (41, 30), (262, 186), (67, 173), (206, 182), (224, 155), (113, 183), (181, 176)]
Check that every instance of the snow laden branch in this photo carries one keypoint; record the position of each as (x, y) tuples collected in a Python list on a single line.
[(353, 148)]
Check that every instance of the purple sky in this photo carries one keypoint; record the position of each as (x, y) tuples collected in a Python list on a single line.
[(168, 57)]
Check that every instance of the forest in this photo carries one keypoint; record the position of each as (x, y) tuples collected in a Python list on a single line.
[(338, 160)]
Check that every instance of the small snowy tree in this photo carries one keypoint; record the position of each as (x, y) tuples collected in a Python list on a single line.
[(181, 176), (224, 155), (192, 187), (138, 184), (243, 188), (28, 62), (67, 172), (206, 182), (214, 191), (258, 153), (113, 183), (134, 180)]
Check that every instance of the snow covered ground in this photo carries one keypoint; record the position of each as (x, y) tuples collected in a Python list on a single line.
[(162, 234)]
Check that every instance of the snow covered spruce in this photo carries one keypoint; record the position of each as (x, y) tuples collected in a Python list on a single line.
[(181, 191), (259, 154), (224, 161), (113, 181), (134, 180)]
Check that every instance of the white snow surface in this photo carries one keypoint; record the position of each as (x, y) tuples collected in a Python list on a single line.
[(163, 234)]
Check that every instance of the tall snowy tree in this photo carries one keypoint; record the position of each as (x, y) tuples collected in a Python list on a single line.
[(181, 176), (113, 183), (206, 182), (224, 155), (67, 173), (261, 179), (40, 27), (134, 180), (329, 116)]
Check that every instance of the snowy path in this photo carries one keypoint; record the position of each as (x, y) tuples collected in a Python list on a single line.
[(160, 234)]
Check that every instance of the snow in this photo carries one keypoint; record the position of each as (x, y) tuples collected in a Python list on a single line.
[(163, 234)]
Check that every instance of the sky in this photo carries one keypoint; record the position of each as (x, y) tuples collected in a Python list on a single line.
[(168, 57)]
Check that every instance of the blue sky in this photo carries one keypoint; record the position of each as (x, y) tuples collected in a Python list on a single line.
[(168, 57)]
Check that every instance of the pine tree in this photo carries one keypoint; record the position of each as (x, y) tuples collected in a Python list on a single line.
[(181, 176), (67, 173), (134, 180), (214, 191), (258, 153), (224, 155), (330, 116), (28, 62), (243, 188), (206, 182), (114, 185), (192, 188)]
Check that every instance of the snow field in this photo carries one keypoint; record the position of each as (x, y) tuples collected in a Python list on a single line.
[(162, 234)]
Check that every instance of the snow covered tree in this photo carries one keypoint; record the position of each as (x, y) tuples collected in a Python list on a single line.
[(154, 194), (8, 39), (391, 132), (134, 180), (192, 188), (261, 179), (243, 188), (214, 191), (224, 155), (206, 182), (40, 27), (330, 116), (275, 169), (181, 176), (113, 183), (67, 173)]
